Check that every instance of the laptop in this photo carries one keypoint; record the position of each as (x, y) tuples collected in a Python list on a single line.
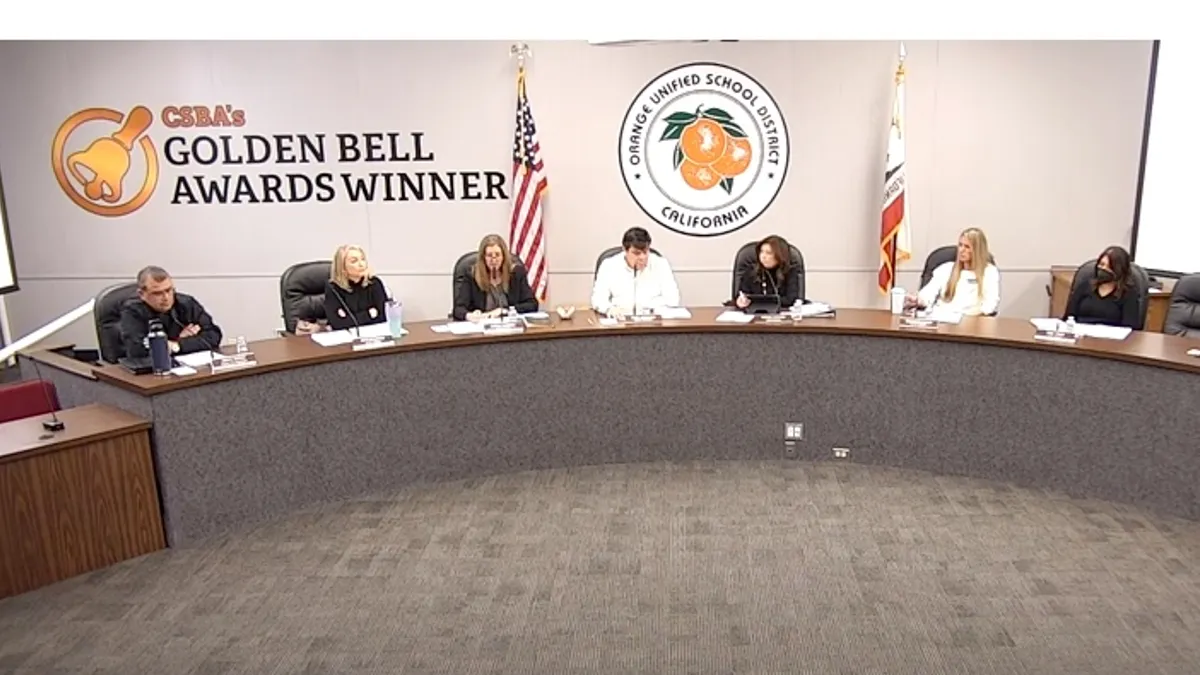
[(763, 304), (140, 365)]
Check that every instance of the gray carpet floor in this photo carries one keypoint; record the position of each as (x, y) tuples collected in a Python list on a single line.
[(742, 567)]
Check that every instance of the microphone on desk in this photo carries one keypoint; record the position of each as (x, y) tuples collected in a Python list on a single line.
[(52, 424), (357, 328)]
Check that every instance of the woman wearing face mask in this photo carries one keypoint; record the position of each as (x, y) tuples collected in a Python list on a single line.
[(1111, 298), (354, 296), (771, 275), (497, 282)]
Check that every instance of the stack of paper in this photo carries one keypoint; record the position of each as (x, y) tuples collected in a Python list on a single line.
[(674, 313), (942, 314), (333, 338), (1092, 330), (811, 309), (1097, 330), (734, 316), (1049, 325), (195, 359)]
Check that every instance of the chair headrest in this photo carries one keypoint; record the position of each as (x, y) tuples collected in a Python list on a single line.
[(748, 253), (462, 266), (307, 278), (107, 315), (110, 301), (1188, 288)]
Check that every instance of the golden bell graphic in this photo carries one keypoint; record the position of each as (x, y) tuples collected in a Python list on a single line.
[(107, 158)]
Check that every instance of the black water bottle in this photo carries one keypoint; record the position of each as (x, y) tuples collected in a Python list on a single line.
[(160, 353)]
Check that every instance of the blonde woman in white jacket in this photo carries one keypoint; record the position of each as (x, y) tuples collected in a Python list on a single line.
[(970, 284)]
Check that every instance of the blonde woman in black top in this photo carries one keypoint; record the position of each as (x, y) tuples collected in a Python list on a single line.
[(354, 296)]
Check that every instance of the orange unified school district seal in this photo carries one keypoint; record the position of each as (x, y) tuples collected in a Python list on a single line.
[(95, 154), (704, 149)]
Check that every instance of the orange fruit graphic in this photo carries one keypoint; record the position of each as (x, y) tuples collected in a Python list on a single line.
[(698, 176), (703, 141), (736, 158)]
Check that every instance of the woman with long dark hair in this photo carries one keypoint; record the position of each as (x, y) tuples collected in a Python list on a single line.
[(772, 274), (1111, 297)]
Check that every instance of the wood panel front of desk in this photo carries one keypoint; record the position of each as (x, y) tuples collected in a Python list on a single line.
[(1060, 292), (75, 500)]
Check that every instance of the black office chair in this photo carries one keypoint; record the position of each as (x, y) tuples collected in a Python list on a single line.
[(1086, 273), (106, 313), (937, 258), (941, 256), (610, 252), (461, 274), (1183, 316), (302, 293), (746, 257)]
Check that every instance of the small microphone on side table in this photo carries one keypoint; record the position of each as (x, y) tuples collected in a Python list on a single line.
[(52, 424)]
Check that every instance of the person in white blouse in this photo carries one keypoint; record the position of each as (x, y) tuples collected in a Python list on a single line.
[(969, 285), (636, 281)]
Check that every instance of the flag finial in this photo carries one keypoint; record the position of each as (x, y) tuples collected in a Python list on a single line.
[(902, 52), (520, 51)]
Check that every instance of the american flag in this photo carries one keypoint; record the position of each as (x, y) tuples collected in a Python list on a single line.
[(526, 231)]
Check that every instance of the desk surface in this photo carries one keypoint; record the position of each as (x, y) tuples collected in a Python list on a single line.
[(85, 424), (1152, 349)]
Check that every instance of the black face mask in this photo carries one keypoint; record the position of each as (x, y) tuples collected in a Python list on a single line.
[(1104, 276)]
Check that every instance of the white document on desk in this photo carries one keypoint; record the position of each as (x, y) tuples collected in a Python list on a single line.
[(1103, 332), (1048, 325), (333, 338), (1092, 330), (465, 328), (195, 359), (811, 309), (674, 313), (734, 316), (945, 315)]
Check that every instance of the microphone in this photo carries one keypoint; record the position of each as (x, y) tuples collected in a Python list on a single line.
[(635, 293), (52, 424), (337, 294), (771, 278)]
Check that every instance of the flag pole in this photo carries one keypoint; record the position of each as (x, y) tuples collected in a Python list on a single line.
[(895, 234), (526, 229)]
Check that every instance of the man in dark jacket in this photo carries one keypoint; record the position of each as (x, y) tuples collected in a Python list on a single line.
[(188, 326)]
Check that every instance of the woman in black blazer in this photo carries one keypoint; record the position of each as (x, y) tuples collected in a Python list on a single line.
[(354, 296), (772, 274), (496, 283)]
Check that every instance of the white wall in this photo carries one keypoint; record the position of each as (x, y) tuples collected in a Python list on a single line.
[(1036, 142)]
